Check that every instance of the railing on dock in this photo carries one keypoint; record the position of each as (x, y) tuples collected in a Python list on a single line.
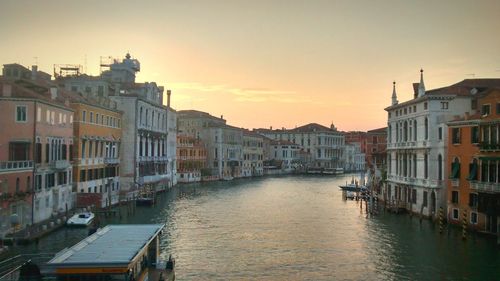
[(9, 268)]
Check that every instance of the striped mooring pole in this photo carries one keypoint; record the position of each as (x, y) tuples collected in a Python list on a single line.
[(440, 219), (464, 225)]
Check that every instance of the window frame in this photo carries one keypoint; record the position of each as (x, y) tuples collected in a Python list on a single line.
[(25, 114)]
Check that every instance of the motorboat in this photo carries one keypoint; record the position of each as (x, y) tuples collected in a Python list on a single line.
[(353, 187), (81, 219)]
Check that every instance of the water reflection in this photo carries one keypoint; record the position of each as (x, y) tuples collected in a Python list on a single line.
[(299, 228)]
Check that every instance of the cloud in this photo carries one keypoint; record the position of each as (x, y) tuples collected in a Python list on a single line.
[(244, 94)]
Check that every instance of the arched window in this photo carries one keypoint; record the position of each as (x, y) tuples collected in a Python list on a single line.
[(140, 116), (415, 130), (405, 131), (440, 167), (426, 128), (473, 170), (455, 169)]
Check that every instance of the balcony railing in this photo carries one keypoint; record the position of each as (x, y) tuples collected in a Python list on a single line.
[(485, 186), (416, 181), (59, 164), (111, 160), (16, 165), (489, 146)]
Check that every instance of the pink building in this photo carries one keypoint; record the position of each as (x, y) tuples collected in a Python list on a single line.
[(35, 144)]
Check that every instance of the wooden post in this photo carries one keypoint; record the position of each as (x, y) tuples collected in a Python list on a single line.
[(464, 225)]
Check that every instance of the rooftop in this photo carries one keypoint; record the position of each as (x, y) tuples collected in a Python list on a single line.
[(111, 245)]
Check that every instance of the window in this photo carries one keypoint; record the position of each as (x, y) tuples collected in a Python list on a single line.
[(474, 134), (424, 203), (49, 180), (84, 116), (440, 167), (454, 197), (425, 106), (473, 200), (38, 182), (97, 118), (498, 107), (21, 113), (455, 135), (82, 175), (473, 217), (39, 114), (485, 110), (455, 169), (444, 105), (426, 129), (455, 214), (473, 170), (414, 196), (38, 153), (440, 133), (91, 117)]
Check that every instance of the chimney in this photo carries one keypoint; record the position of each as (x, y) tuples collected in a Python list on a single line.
[(34, 72), (222, 117), (7, 90), (53, 93), (168, 97)]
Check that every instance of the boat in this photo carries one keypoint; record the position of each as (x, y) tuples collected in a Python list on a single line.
[(115, 252), (228, 178), (314, 171), (329, 171), (81, 219), (353, 187), (145, 200)]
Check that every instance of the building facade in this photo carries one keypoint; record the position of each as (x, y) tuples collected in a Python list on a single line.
[(191, 159), (253, 154), (473, 163), (417, 144)]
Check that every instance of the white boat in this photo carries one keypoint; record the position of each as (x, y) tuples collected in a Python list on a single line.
[(81, 219)]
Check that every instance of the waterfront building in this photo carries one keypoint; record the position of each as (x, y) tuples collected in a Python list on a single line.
[(356, 137), (191, 159), (324, 144), (353, 158), (285, 155), (253, 154), (36, 173), (97, 136), (473, 162), (224, 143), (148, 146), (417, 143)]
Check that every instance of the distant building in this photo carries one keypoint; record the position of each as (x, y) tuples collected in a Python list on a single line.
[(324, 144), (473, 162), (285, 155), (353, 158), (253, 154), (224, 143), (191, 158)]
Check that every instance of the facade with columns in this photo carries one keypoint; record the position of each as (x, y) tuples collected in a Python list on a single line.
[(417, 144), (325, 145)]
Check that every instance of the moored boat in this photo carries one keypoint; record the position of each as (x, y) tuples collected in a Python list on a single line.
[(81, 219)]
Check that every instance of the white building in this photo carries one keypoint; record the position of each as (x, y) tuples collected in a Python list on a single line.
[(324, 144), (416, 144), (286, 153), (353, 158), (253, 154)]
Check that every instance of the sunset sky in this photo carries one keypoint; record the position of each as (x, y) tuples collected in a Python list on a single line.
[(264, 63)]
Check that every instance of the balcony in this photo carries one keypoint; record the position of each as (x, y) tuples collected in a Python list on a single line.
[(111, 160), (489, 187), (455, 182), (59, 164), (489, 146), (16, 165)]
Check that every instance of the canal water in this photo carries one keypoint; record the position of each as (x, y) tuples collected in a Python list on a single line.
[(297, 228)]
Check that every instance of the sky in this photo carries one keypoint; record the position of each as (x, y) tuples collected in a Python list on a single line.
[(264, 63)]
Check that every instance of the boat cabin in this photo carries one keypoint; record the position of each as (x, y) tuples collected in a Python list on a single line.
[(113, 253)]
